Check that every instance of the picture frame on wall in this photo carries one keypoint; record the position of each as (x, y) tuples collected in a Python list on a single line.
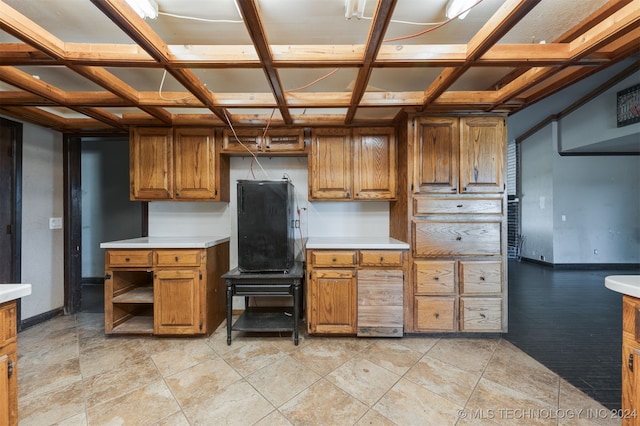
[(628, 106)]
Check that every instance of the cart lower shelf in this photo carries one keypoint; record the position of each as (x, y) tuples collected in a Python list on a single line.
[(265, 319)]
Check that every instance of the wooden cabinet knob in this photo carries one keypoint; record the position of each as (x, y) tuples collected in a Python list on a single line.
[(334, 259), (481, 278), (436, 278), (126, 259), (381, 259), (437, 315), (176, 258)]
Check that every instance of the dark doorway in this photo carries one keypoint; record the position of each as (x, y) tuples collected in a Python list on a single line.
[(10, 200), (97, 209)]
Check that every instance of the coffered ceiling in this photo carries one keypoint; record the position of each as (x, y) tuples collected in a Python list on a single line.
[(96, 66)]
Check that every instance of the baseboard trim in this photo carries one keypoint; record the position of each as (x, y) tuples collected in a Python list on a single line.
[(586, 266), (40, 318)]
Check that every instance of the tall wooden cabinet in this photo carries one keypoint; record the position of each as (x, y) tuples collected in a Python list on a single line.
[(177, 164), (453, 214), (630, 361), (8, 364), (353, 164)]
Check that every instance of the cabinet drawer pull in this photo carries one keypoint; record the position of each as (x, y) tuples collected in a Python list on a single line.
[(334, 259), (436, 278), (630, 362), (458, 238), (483, 316), (437, 315), (481, 278), (459, 206), (176, 258), (381, 259), (10, 369), (126, 259)]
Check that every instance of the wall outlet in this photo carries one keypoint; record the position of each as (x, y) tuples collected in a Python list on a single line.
[(55, 223), (595, 251)]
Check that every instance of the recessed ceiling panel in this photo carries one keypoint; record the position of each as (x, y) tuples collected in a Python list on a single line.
[(199, 22), (317, 79), (83, 21), (480, 78), (62, 112), (401, 79), (424, 22), (313, 22), (550, 19), (147, 79), (377, 113), (61, 77), (234, 80)]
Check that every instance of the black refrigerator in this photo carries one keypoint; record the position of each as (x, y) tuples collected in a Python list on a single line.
[(266, 235)]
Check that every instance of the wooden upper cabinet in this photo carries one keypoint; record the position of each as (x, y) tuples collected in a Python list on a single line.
[(151, 163), (177, 164), (195, 166), (330, 166), (459, 155), (241, 141), (436, 155), (482, 159), (374, 163), (246, 141)]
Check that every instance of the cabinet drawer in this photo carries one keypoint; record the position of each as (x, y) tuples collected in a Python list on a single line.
[(8, 322), (380, 258), (178, 257), (431, 277), (334, 258), (481, 314), (456, 238), (434, 313), (480, 277), (117, 258), (428, 205)]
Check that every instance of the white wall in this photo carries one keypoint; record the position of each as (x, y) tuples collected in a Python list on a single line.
[(591, 203), (42, 198), (537, 196), (318, 219)]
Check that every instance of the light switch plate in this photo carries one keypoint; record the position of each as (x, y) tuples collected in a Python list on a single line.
[(55, 223)]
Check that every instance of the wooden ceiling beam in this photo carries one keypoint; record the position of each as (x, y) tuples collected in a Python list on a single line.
[(254, 27), (619, 23), (35, 116), (379, 25)]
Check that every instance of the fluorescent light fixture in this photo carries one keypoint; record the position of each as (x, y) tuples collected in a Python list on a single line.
[(144, 8), (354, 8), (456, 7)]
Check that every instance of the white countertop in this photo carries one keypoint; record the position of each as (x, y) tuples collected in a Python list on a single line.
[(383, 243), (625, 284), (165, 242), (10, 292)]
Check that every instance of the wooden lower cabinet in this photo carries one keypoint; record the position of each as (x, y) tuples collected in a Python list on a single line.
[(435, 313), (165, 291), (356, 292), (630, 413), (8, 364)]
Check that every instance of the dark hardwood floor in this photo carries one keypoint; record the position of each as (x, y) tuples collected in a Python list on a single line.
[(570, 322), (566, 319)]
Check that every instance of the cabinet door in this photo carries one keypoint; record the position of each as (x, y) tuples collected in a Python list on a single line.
[(151, 164), (482, 148), (241, 141), (4, 390), (332, 301), (380, 303), (330, 166), (436, 150), (284, 140), (176, 304), (195, 168), (374, 163)]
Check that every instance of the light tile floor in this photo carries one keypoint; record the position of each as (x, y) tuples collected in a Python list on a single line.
[(70, 373)]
